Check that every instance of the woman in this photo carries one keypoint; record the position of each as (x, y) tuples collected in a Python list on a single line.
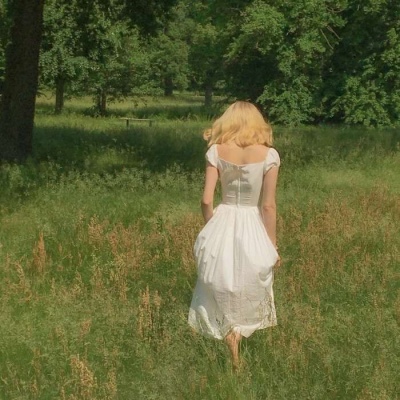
[(236, 250)]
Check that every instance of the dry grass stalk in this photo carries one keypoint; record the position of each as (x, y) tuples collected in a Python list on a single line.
[(182, 237), (97, 280), (118, 280), (34, 389), (397, 309), (111, 385), (61, 337), (85, 381), (326, 242), (78, 286), (23, 285), (96, 232), (85, 327), (149, 315), (63, 396), (297, 358), (144, 313), (37, 369), (127, 246), (39, 255)]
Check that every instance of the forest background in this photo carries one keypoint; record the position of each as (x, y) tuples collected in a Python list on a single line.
[(97, 221), (331, 61)]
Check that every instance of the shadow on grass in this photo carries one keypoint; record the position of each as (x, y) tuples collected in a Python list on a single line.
[(106, 152), (159, 148)]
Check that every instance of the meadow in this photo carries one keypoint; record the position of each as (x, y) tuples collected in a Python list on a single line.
[(96, 267)]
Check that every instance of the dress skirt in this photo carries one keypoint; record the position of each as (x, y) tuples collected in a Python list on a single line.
[(235, 260)]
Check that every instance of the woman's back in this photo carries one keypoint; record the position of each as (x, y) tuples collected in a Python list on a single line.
[(242, 155), (241, 171)]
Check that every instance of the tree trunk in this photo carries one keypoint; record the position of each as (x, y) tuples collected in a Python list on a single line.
[(60, 84), (21, 80), (102, 103), (168, 86), (208, 95)]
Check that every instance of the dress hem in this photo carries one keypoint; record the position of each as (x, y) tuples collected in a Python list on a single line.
[(237, 328)]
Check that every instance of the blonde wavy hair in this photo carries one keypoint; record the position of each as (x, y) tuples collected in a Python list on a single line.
[(242, 124)]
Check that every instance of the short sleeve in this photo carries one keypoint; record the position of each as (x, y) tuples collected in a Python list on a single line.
[(272, 160), (212, 156)]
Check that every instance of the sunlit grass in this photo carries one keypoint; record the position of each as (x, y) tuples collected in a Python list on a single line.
[(96, 267)]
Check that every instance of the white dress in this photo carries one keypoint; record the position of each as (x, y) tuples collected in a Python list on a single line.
[(234, 255)]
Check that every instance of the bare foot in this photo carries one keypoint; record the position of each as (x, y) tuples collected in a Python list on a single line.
[(232, 340)]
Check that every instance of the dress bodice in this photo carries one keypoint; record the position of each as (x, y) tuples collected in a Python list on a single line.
[(241, 184)]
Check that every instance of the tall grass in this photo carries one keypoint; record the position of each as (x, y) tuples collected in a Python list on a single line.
[(96, 268)]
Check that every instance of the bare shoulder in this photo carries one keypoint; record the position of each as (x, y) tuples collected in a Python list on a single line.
[(258, 149), (231, 152)]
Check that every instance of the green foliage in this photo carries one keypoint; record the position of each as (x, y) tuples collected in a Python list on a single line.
[(209, 41), (206, 52), (365, 68), (169, 52), (318, 60), (301, 61), (148, 15), (95, 48), (4, 27), (170, 61), (293, 41), (262, 21), (61, 54), (362, 103)]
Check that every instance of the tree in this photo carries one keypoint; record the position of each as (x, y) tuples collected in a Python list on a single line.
[(22, 58), (21, 78), (95, 47), (61, 61), (364, 79), (318, 60), (111, 67), (87, 47), (289, 44), (252, 55), (169, 51), (208, 43)]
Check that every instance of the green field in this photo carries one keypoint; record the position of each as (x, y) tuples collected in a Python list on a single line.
[(96, 267)]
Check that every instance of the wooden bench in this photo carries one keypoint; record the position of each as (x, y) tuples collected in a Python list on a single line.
[(150, 121)]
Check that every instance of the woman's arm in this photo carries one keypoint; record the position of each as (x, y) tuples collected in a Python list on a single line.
[(207, 200), (269, 203)]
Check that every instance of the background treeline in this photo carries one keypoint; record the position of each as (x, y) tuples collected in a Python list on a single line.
[(305, 61)]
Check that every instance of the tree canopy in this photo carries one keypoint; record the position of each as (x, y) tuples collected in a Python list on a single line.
[(303, 61)]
